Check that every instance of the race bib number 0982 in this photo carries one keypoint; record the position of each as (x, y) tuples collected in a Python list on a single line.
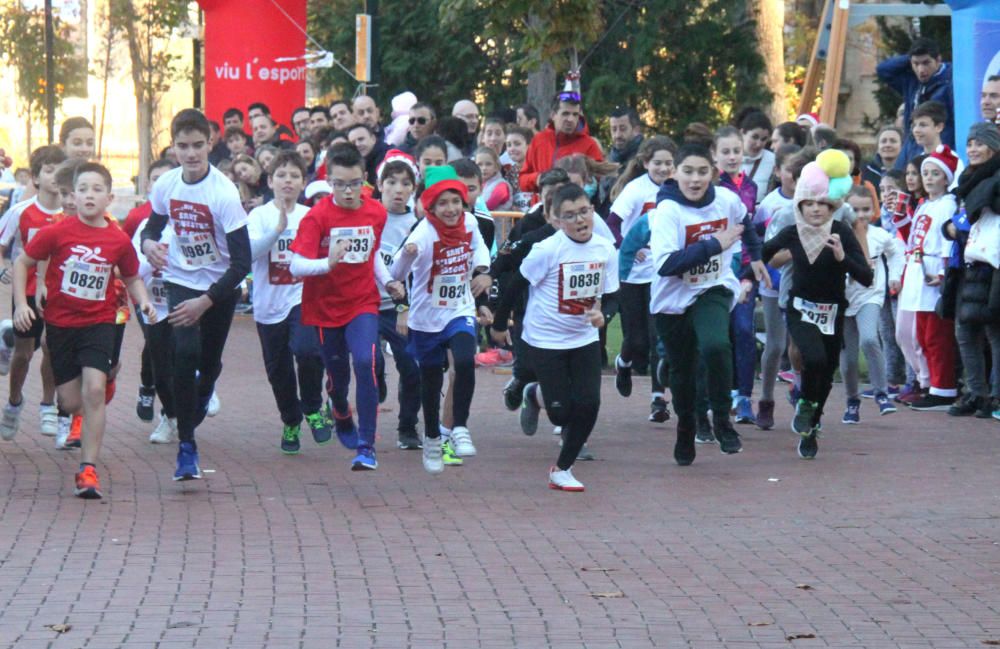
[(197, 249)]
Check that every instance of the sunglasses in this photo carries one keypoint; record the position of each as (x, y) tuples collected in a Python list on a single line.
[(418, 120), (572, 97)]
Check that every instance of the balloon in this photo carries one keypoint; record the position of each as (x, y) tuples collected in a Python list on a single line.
[(834, 163), (839, 187)]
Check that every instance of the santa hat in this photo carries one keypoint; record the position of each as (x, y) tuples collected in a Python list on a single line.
[(812, 118), (317, 187), (395, 155), (945, 159), (440, 180)]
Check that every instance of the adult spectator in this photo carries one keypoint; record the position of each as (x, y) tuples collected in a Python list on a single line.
[(232, 118), (467, 111), (372, 150), (527, 117), (888, 146), (300, 122), (422, 122), (989, 101), (265, 132), (259, 108), (566, 133), (367, 113), (218, 151), (318, 119), (626, 135), (341, 117), (920, 76)]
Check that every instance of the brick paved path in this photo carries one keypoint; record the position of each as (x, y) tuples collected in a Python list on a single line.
[(889, 539)]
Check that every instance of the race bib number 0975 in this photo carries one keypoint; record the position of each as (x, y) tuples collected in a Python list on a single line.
[(823, 316)]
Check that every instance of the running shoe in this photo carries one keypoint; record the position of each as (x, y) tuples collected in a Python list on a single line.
[(703, 430), (907, 392), (506, 358), (808, 444), (364, 460), (6, 345), (10, 420), (290, 440), (986, 406), (75, 432), (892, 392), (187, 462), (623, 377), (729, 439), (885, 406), (744, 411), (214, 405), (765, 414), (144, 403), (165, 432), (494, 357), (932, 403), (964, 407), (805, 412), (48, 419), (658, 411), (409, 441), (462, 442), (852, 415), (512, 393), (563, 480), (347, 431), (321, 427), (63, 434), (786, 376), (996, 414), (684, 450), (448, 455), (557, 430), (432, 455), (529, 409), (88, 486)]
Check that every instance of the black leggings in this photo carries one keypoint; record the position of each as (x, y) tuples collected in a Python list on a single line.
[(161, 364), (197, 355), (463, 353), (820, 356), (571, 388), (638, 332)]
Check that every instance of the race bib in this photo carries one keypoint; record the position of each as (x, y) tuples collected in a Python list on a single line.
[(86, 281), (823, 316), (360, 241), (450, 292), (197, 249), (280, 260), (710, 271), (580, 283), (388, 251), (158, 292)]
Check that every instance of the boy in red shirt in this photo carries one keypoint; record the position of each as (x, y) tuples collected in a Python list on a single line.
[(82, 305), (334, 250)]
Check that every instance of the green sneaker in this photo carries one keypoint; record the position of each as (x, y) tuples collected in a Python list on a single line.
[(448, 454), (805, 412), (290, 440), (321, 426)]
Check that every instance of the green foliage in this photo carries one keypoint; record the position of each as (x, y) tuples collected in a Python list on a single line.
[(149, 25), (22, 45)]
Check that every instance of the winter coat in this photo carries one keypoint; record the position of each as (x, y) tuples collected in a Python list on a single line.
[(548, 146)]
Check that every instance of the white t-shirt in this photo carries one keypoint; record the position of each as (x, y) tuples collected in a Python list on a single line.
[(152, 278), (397, 228), (761, 176), (637, 198), (880, 243), (440, 290), (275, 290), (201, 214), (673, 227), (566, 278), (926, 251)]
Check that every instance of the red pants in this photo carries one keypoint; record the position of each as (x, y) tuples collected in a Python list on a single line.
[(937, 339)]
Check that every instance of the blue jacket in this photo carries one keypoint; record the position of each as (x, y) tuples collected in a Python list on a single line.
[(634, 240), (897, 73)]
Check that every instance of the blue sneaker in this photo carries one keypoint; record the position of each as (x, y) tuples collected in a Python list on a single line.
[(364, 460), (853, 413), (744, 411), (187, 462), (347, 431), (885, 406), (868, 394)]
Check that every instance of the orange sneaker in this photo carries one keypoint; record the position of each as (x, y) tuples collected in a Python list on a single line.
[(75, 428), (87, 483), (489, 358)]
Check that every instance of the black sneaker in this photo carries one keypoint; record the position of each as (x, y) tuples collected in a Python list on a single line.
[(409, 441), (623, 378), (808, 445), (529, 409), (965, 407), (512, 393), (658, 411), (729, 439), (144, 404), (684, 451), (987, 406), (703, 431), (933, 403), (290, 440)]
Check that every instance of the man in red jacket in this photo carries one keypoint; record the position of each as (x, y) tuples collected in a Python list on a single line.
[(566, 134)]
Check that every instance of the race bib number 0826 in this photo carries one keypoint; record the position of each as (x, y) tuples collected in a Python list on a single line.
[(87, 281)]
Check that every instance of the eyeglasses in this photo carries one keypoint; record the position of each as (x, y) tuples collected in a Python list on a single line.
[(571, 97), (352, 185), (572, 216), (418, 120)]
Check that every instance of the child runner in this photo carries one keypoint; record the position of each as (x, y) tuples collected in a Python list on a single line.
[(864, 307), (23, 222), (443, 251), (518, 139), (202, 267), (896, 370), (694, 229), (333, 252), (291, 349), (758, 162), (496, 190), (83, 253), (633, 195), (572, 277), (822, 251)]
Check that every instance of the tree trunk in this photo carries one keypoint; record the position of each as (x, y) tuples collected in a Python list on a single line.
[(143, 103), (769, 16), (541, 89)]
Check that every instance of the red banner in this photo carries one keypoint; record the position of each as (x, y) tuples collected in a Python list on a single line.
[(242, 41)]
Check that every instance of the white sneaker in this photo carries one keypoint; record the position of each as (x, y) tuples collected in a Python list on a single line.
[(563, 480), (165, 432), (433, 459), (462, 441), (62, 432), (214, 405), (10, 420), (5, 351), (557, 430), (48, 418)]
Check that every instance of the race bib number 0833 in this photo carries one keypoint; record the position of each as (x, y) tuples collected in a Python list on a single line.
[(360, 241)]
